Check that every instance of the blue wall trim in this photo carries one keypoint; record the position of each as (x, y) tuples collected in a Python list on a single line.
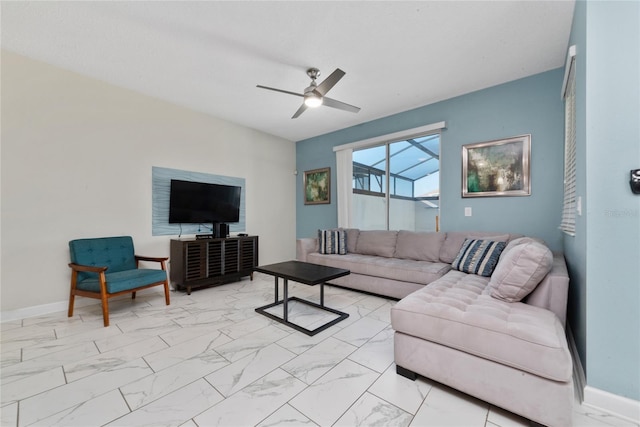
[(161, 178)]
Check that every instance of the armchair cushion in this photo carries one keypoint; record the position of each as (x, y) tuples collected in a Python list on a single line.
[(123, 280), (115, 252)]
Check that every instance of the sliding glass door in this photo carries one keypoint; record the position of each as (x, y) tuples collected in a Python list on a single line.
[(396, 186)]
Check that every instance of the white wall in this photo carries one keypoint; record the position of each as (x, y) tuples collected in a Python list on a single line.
[(76, 161)]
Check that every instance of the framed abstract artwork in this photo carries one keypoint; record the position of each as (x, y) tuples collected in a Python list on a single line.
[(317, 186), (497, 168)]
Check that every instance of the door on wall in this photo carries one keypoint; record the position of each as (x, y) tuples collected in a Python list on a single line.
[(396, 186)]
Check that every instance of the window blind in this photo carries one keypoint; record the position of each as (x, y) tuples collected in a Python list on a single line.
[(568, 223)]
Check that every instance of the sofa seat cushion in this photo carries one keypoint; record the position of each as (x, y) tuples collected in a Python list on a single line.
[(404, 270), (124, 280), (457, 311)]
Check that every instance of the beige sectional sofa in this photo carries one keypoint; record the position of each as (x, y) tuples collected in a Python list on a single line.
[(500, 337)]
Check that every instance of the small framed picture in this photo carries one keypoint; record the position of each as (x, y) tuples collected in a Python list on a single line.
[(317, 186), (497, 168)]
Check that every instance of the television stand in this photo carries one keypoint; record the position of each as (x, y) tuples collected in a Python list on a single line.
[(200, 262)]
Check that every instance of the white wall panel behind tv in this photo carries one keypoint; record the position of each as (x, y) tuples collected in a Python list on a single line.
[(161, 178)]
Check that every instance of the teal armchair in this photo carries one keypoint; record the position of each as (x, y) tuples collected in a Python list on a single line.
[(106, 267)]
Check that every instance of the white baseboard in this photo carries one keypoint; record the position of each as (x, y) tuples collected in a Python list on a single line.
[(44, 309), (579, 378), (617, 405), (41, 310)]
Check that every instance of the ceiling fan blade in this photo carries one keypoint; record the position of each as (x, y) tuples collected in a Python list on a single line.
[(329, 82), (301, 110), (328, 102), (279, 90)]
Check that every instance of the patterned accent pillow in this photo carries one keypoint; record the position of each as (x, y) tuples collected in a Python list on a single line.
[(332, 241), (478, 256)]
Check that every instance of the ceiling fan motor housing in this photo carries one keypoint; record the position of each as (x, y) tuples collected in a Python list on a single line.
[(314, 73)]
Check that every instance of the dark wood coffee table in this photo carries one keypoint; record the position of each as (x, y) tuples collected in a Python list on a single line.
[(308, 274)]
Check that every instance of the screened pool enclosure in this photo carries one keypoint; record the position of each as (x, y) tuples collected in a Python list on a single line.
[(396, 186)]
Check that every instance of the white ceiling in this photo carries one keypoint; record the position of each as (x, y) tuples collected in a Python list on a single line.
[(209, 56)]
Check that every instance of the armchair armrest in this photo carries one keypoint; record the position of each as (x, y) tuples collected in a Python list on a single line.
[(150, 258), (161, 260), (88, 268)]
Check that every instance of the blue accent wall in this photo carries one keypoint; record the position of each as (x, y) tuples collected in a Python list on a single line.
[(604, 255), (527, 106)]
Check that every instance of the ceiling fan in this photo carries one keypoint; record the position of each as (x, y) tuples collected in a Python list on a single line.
[(314, 95)]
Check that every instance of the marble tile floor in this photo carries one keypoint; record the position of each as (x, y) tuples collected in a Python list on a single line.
[(209, 359)]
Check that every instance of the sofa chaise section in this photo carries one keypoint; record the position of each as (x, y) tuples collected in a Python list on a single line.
[(500, 338), (513, 355)]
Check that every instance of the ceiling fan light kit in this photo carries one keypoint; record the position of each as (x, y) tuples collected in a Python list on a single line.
[(314, 94), (312, 100)]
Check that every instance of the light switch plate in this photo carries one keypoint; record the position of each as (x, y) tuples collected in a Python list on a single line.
[(579, 206), (467, 211)]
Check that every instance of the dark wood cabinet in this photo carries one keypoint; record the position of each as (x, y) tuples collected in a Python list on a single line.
[(204, 262)]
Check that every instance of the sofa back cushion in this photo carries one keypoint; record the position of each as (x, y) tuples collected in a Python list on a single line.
[(454, 240), (377, 242), (352, 239), (519, 271), (420, 246)]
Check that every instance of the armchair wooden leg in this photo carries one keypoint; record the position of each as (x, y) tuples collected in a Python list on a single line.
[(133, 295), (166, 292), (72, 299), (72, 294), (105, 309)]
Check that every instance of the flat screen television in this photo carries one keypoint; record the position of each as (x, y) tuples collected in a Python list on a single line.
[(201, 203)]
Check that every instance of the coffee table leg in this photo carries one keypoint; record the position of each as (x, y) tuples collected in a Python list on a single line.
[(322, 294), (285, 315), (276, 289)]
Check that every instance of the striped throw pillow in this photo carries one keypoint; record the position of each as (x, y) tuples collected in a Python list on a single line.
[(478, 256), (332, 241)]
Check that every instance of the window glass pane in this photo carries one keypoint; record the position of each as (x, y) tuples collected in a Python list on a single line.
[(402, 187), (369, 208), (414, 185)]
